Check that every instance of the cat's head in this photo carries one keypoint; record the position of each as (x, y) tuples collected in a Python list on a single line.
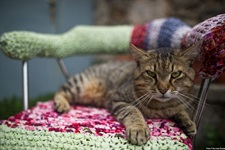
[(164, 73)]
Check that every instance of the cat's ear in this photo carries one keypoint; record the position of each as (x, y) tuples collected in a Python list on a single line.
[(190, 53), (137, 53)]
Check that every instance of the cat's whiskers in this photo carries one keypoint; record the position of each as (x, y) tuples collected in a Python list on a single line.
[(191, 97), (146, 102), (139, 101), (143, 100), (196, 100), (185, 96), (135, 102), (182, 99)]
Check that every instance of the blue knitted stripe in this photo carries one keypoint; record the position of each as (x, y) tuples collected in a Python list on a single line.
[(147, 39), (167, 30)]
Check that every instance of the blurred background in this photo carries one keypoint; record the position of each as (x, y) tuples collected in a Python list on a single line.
[(58, 16)]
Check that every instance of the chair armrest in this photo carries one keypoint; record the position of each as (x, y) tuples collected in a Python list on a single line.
[(24, 45)]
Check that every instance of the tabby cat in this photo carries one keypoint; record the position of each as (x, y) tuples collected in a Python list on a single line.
[(155, 85)]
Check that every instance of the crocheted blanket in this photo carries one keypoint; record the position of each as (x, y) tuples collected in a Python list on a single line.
[(82, 128)]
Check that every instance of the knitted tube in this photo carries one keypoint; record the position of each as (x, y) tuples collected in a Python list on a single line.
[(166, 32), (24, 45)]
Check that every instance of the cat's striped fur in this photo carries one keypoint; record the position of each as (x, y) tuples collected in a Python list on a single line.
[(155, 85)]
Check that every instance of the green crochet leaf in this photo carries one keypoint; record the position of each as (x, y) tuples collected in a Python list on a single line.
[(16, 138), (25, 45)]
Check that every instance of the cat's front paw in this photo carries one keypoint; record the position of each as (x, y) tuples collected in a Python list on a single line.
[(138, 134), (189, 128), (61, 105)]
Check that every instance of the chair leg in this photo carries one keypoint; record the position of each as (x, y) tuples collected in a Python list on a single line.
[(63, 68), (25, 84), (202, 99)]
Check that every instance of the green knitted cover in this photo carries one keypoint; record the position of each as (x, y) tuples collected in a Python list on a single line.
[(24, 45), (16, 138)]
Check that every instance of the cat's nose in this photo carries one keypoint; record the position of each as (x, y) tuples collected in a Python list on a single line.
[(163, 91)]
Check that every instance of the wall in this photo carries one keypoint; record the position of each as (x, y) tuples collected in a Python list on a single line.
[(142, 11), (34, 15)]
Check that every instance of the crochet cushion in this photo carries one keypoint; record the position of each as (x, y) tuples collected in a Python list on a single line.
[(82, 128)]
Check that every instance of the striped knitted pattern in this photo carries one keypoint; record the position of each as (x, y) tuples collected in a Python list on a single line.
[(166, 32)]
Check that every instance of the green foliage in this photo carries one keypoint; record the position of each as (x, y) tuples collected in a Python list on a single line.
[(212, 136), (14, 105)]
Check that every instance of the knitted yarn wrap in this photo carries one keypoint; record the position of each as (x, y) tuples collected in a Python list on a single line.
[(24, 45), (212, 54), (166, 32), (174, 33)]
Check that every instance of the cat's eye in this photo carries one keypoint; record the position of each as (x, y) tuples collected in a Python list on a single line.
[(151, 74), (175, 74)]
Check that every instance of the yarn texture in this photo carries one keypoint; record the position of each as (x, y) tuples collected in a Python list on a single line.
[(82, 128), (25, 45), (166, 32), (212, 54), (94, 128)]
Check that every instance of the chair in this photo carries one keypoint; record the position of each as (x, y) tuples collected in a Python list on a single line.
[(167, 32)]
